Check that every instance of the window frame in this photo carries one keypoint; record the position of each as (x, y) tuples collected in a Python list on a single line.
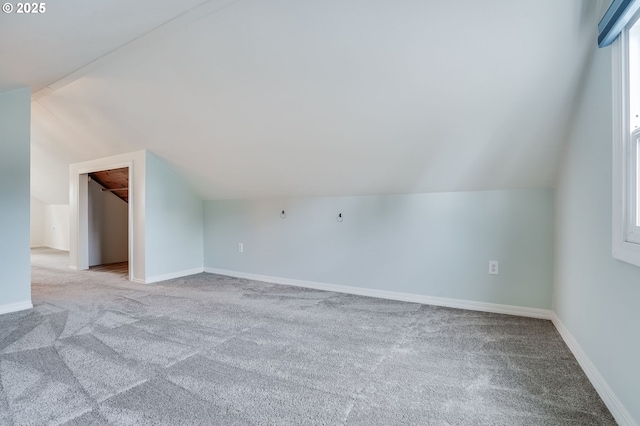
[(626, 233)]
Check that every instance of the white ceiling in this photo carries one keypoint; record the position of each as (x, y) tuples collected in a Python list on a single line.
[(44, 48), (287, 98)]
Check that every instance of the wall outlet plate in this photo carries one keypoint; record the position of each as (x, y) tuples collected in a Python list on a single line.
[(240, 248), (494, 267)]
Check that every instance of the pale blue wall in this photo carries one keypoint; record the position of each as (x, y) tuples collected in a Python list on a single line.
[(173, 222), (430, 244), (15, 269), (596, 296)]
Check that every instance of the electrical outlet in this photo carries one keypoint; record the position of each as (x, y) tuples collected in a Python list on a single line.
[(240, 248), (493, 267)]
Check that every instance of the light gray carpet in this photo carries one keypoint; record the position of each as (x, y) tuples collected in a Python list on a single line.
[(207, 349)]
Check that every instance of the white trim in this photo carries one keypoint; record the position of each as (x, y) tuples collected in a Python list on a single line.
[(165, 277), (621, 139), (632, 230), (393, 295), (79, 250), (15, 307), (613, 403)]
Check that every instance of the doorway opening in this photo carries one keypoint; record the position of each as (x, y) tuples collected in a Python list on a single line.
[(108, 221), (134, 163)]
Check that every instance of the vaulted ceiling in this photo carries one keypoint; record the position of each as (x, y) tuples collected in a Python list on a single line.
[(277, 98)]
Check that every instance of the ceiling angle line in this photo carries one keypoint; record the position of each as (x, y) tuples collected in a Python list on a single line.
[(169, 26)]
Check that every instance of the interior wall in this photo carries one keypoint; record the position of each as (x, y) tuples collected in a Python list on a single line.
[(56, 226), (108, 227), (162, 203), (15, 263), (436, 244), (37, 222), (49, 225), (596, 296), (174, 223)]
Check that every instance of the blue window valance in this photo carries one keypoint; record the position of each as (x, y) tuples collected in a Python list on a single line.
[(615, 19)]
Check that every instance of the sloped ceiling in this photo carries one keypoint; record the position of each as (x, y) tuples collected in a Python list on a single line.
[(312, 98), (40, 48)]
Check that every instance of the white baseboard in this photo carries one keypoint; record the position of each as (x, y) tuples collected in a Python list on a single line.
[(393, 295), (617, 409), (165, 277), (15, 307)]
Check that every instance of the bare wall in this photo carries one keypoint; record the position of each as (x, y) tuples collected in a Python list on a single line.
[(595, 295), (15, 268), (173, 220), (435, 244), (37, 222), (56, 226)]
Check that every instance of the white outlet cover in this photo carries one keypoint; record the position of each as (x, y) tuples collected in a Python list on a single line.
[(494, 267), (240, 248)]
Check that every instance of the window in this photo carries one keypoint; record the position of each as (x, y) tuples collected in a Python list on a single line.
[(633, 218), (626, 144)]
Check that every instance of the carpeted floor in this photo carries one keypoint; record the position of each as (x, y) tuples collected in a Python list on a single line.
[(207, 349)]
